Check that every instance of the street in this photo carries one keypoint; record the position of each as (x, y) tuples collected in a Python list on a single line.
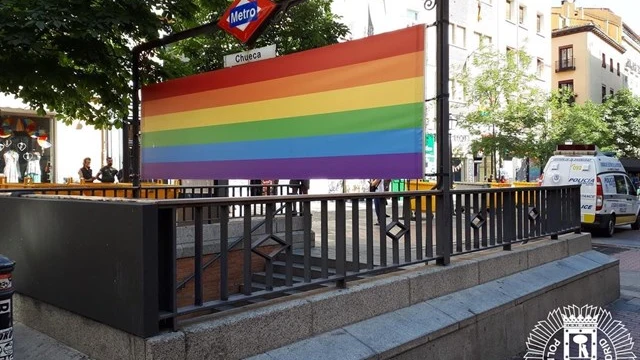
[(625, 246)]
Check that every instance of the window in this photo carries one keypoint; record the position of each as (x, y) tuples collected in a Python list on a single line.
[(458, 35), (618, 65), (611, 64), (412, 15), (565, 59), (481, 40), (522, 12), (509, 14), (566, 84), (631, 189), (539, 23), (604, 60), (604, 93), (611, 92), (456, 91), (540, 68), (621, 185)]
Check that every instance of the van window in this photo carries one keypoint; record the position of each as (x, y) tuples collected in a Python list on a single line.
[(621, 185), (630, 188)]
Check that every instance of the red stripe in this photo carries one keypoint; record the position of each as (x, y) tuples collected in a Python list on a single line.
[(352, 52)]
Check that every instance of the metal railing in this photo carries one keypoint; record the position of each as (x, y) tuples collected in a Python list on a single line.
[(341, 241), (159, 192)]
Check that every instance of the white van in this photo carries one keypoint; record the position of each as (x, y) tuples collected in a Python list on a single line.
[(607, 197)]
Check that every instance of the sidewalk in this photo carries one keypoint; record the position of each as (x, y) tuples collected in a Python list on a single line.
[(29, 344), (627, 308)]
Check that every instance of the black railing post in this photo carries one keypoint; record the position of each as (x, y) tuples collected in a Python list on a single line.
[(443, 202), (135, 124)]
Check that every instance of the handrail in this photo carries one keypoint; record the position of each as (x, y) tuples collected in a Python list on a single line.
[(234, 244)]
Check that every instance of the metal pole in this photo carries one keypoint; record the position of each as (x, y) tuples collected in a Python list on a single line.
[(135, 124), (126, 154), (444, 204)]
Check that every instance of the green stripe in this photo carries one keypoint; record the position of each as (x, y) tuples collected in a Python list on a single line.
[(376, 119)]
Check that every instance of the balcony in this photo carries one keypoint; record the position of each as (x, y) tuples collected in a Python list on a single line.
[(566, 65)]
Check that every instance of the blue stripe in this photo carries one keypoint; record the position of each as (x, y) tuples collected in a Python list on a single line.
[(368, 143)]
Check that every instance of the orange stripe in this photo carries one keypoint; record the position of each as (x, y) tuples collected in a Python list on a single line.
[(390, 69), (348, 53)]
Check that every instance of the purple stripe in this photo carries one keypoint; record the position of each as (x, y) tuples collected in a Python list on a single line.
[(391, 166)]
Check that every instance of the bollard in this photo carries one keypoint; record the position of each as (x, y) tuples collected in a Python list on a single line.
[(6, 309)]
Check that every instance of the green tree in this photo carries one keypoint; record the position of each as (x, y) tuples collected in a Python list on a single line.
[(621, 114), (506, 110), (579, 123), (73, 56), (308, 25)]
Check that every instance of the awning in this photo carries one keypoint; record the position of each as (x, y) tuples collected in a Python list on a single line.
[(632, 165), (23, 112)]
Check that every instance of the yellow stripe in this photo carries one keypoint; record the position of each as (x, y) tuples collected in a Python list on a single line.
[(398, 92), (588, 218), (625, 219)]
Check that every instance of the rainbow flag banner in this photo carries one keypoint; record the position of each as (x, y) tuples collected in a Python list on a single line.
[(353, 110)]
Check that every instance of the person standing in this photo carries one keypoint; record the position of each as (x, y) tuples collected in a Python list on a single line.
[(380, 204), (299, 187), (255, 190), (107, 173), (86, 173)]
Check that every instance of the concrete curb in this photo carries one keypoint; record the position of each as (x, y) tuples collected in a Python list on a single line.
[(485, 310), (276, 323)]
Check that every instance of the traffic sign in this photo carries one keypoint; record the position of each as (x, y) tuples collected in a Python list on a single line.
[(244, 17)]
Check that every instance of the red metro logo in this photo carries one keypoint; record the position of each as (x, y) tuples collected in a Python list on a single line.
[(244, 17)]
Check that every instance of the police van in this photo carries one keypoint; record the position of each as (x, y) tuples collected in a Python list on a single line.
[(608, 198)]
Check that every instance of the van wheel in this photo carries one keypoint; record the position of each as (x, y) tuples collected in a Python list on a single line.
[(636, 224), (611, 226)]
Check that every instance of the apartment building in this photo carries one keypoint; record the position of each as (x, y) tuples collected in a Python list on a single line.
[(502, 24), (631, 60), (595, 53)]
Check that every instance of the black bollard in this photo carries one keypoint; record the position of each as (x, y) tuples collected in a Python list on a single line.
[(6, 308)]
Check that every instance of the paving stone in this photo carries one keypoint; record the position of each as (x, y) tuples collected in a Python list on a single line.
[(337, 344)]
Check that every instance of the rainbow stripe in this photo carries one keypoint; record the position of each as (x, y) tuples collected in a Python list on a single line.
[(350, 110)]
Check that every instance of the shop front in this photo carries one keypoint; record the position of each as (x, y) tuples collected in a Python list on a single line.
[(26, 148)]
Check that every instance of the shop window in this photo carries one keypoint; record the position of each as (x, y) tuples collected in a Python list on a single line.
[(25, 146)]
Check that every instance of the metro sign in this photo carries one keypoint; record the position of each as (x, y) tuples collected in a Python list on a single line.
[(244, 17)]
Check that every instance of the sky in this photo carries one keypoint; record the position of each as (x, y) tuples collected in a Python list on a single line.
[(625, 8)]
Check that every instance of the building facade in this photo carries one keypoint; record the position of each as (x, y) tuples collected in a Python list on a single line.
[(502, 24), (631, 60), (588, 51)]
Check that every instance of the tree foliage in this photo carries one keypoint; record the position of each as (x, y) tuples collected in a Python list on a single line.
[(73, 57), (505, 108), (509, 116), (621, 114), (309, 25)]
